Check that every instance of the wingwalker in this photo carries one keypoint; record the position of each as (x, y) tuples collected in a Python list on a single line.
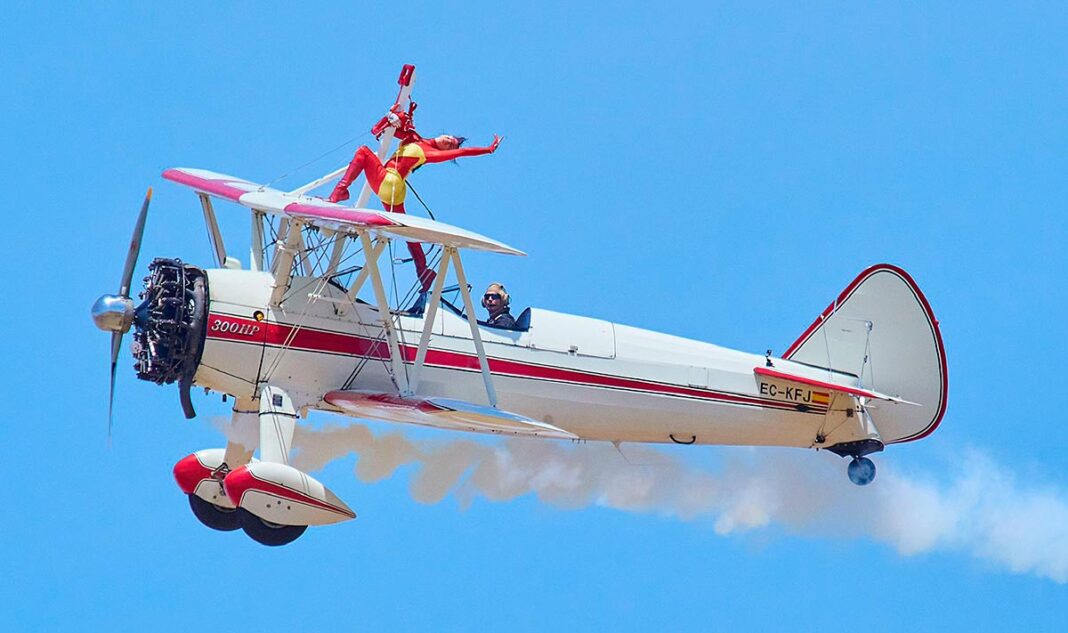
[(291, 334)]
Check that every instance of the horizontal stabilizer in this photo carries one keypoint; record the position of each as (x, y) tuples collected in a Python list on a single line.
[(328, 215), (442, 413), (829, 386)]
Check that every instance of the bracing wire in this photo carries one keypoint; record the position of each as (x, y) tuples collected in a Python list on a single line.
[(315, 160), (420, 199)]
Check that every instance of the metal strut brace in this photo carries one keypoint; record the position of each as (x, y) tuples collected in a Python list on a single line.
[(280, 238), (305, 254), (357, 284), (214, 235), (429, 314), (340, 241), (400, 379), (283, 267), (256, 248), (469, 307)]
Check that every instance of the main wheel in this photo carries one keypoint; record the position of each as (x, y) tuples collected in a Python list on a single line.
[(267, 533), (861, 471), (213, 516)]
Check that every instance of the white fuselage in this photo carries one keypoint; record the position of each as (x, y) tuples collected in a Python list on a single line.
[(596, 379)]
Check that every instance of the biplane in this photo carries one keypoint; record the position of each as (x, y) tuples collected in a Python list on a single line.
[(309, 325)]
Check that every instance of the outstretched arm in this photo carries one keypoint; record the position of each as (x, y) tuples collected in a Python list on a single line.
[(434, 155)]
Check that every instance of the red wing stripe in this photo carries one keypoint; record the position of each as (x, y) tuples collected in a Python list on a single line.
[(218, 187), (338, 214)]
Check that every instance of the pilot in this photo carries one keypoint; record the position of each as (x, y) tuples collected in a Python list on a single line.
[(387, 180), (496, 301)]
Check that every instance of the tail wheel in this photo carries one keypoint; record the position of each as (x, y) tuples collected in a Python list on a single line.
[(267, 533), (213, 516), (861, 471)]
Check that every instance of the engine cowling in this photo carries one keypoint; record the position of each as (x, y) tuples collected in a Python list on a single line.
[(283, 495)]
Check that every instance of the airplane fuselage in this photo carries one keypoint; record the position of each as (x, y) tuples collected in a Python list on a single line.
[(599, 380)]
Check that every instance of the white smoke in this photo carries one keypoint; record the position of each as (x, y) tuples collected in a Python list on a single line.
[(979, 510)]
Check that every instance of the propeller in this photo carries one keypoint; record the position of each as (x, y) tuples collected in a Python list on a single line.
[(115, 313)]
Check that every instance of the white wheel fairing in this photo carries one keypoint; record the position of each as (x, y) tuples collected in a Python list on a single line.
[(283, 495)]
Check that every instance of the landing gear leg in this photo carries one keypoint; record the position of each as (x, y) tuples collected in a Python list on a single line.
[(861, 471)]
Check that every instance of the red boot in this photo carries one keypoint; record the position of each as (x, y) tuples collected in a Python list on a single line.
[(340, 193), (356, 166)]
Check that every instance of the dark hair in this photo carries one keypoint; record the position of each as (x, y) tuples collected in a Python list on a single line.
[(460, 140)]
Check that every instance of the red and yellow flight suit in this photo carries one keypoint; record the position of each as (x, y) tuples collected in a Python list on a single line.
[(387, 181)]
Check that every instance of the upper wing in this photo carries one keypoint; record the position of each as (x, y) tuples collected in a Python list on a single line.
[(319, 212), (775, 375), (440, 412)]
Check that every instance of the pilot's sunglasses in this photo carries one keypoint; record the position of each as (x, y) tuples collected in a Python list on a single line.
[(490, 295)]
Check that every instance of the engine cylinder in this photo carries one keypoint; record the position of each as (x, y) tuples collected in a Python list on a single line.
[(169, 335)]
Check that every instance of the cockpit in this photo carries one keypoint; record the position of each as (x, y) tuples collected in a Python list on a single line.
[(450, 300)]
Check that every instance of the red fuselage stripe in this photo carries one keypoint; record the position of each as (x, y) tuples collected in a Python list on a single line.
[(314, 340)]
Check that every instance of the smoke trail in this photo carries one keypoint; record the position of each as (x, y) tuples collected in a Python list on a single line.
[(979, 510)]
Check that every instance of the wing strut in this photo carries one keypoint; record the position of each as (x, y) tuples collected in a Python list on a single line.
[(399, 375), (450, 253), (256, 247), (354, 289), (283, 266), (469, 307), (214, 235), (429, 315), (340, 242)]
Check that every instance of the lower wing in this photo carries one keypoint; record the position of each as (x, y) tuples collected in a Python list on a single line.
[(442, 413)]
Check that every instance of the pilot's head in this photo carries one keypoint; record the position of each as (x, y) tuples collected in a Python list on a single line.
[(496, 298)]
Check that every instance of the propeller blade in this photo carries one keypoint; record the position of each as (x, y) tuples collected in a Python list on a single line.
[(116, 344), (135, 250)]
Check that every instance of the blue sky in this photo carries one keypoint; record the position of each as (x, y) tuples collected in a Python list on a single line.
[(718, 172)]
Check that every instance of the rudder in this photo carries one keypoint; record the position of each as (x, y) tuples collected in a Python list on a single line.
[(882, 329)]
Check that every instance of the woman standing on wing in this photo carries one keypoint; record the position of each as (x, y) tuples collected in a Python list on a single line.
[(387, 181)]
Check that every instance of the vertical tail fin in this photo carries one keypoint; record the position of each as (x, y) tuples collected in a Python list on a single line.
[(881, 328)]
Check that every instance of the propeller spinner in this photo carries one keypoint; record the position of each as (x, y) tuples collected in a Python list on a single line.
[(115, 313)]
